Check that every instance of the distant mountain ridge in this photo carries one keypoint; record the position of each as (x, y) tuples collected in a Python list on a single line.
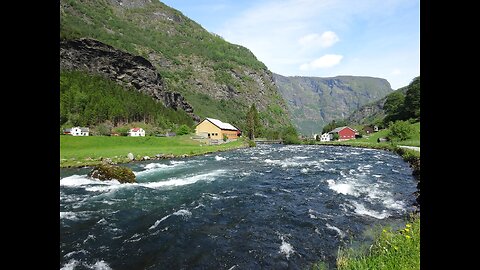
[(315, 101)]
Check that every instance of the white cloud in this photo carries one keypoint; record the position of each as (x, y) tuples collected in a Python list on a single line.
[(326, 61), (327, 39)]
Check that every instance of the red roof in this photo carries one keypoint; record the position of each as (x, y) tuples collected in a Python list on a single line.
[(135, 129)]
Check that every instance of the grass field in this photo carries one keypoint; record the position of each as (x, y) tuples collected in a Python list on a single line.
[(391, 250), (85, 151), (371, 140)]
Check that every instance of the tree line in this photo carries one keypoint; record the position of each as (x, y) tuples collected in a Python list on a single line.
[(88, 100)]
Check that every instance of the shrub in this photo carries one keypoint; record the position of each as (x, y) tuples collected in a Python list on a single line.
[(183, 129), (400, 131)]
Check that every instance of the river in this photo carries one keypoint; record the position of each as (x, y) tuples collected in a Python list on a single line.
[(268, 207)]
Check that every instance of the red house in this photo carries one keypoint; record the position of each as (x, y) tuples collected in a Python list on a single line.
[(344, 133)]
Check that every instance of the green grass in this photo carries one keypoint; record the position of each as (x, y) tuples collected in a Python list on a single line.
[(371, 140), (391, 250), (87, 151)]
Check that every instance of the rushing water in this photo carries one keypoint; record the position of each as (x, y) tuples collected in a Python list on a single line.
[(269, 207)]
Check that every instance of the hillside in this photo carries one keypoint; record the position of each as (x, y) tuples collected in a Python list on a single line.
[(313, 101), (371, 112), (216, 78)]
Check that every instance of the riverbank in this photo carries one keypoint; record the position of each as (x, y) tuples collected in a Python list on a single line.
[(93, 150)]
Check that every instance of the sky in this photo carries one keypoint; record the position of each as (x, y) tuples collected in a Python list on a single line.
[(319, 38)]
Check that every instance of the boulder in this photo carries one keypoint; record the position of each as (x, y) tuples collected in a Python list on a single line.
[(131, 156), (108, 172), (146, 158)]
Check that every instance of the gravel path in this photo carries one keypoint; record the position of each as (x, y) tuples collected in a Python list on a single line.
[(410, 147)]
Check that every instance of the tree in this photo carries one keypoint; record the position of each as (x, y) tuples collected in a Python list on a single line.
[(253, 123), (335, 137), (289, 135), (394, 107), (412, 100), (183, 129), (400, 131)]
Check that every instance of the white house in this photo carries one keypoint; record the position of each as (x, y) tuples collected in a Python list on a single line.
[(326, 137), (136, 132), (77, 131)]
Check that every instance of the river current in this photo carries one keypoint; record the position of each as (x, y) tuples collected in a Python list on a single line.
[(268, 207)]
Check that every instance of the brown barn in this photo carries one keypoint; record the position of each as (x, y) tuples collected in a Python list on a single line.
[(344, 133), (215, 129)]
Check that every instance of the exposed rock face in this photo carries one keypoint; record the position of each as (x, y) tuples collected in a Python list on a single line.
[(108, 172), (314, 101), (124, 68)]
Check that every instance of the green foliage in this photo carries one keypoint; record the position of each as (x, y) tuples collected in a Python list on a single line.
[(252, 123), (391, 250), (404, 107), (400, 131), (183, 129), (289, 135), (103, 129), (335, 136), (412, 100), (88, 100), (225, 137)]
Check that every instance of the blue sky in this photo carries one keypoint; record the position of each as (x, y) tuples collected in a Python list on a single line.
[(321, 38)]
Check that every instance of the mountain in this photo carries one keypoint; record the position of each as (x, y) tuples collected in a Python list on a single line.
[(314, 101), (170, 57), (369, 113)]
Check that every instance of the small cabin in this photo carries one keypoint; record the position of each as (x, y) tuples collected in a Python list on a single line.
[(344, 133), (326, 137), (136, 132), (215, 129), (77, 131)]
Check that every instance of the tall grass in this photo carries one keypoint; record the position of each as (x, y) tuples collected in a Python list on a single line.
[(391, 250)]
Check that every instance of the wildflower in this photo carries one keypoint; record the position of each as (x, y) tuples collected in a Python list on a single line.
[(408, 225), (407, 230), (384, 231), (407, 236)]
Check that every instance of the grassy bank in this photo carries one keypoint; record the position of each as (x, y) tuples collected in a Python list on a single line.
[(88, 151), (391, 250)]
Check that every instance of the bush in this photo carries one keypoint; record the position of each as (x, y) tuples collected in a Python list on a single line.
[(400, 131), (183, 129), (225, 138)]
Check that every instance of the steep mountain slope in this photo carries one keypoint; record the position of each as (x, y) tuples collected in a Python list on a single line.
[(371, 112), (315, 101), (216, 78)]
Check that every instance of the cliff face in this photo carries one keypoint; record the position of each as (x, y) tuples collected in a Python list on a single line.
[(313, 101), (126, 69), (187, 64)]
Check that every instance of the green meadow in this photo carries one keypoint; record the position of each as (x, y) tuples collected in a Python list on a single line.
[(76, 151)]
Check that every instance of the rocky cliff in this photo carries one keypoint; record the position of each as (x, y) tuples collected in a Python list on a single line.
[(218, 79), (129, 70), (315, 101)]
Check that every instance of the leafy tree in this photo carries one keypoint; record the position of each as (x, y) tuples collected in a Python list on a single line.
[(253, 123), (412, 99), (289, 135), (400, 131), (394, 104), (335, 137), (183, 129)]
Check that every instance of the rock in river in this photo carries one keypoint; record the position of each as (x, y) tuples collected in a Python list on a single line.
[(109, 172)]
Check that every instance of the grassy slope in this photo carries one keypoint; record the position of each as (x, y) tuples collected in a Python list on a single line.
[(191, 61), (85, 151), (392, 250)]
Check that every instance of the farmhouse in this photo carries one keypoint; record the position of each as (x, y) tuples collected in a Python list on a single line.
[(77, 131), (326, 137), (344, 133), (215, 129), (136, 132), (368, 129)]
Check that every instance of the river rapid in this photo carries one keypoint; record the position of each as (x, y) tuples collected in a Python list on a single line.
[(268, 207)]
